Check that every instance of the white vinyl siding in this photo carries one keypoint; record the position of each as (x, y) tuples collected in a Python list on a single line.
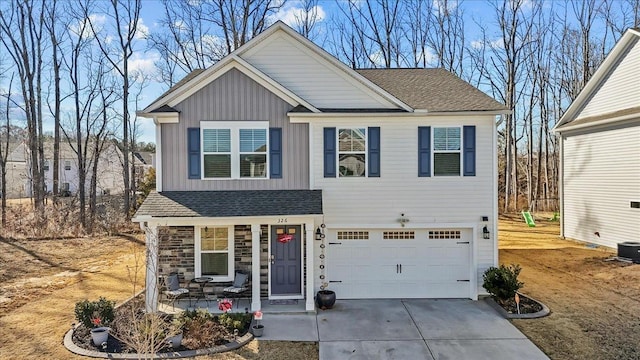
[(621, 90), (324, 86), (424, 200), (601, 178)]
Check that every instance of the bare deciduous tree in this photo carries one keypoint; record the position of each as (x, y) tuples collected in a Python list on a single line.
[(22, 29)]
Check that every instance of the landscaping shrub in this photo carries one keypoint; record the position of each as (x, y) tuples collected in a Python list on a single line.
[(235, 321), (502, 283), (95, 313)]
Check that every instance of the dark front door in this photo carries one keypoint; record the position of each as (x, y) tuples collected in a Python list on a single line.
[(286, 242)]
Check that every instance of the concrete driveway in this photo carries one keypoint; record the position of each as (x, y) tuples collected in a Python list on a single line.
[(406, 329)]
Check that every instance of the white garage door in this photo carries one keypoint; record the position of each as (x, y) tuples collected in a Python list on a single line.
[(419, 263)]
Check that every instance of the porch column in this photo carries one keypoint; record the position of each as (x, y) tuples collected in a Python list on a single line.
[(151, 296), (310, 261), (255, 267)]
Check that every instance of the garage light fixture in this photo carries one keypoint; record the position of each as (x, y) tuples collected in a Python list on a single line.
[(319, 234), (485, 233)]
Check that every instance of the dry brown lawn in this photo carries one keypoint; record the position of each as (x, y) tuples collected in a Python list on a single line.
[(41, 280), (595, 303)]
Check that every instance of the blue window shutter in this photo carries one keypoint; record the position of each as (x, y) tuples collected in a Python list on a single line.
[(374, 152), (469, 150), (275, 153), (329, 152), (193, 149), (424, 151)]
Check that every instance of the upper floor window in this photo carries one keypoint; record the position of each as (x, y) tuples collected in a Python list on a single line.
[(352, 152), (234, 150), (46, 165), (446, 151), (67, 165)]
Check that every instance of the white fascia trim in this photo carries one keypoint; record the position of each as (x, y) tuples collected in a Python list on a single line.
[(233, 62), (309, 117), (234, 220), (158, 158), (618, 119), (272, 85), (628, 39), (320, 54), (160, 117), (217, 70)]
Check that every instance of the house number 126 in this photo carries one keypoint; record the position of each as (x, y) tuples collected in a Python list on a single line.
[(282, 220)]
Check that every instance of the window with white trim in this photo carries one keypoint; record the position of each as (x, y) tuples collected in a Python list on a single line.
[(447, 151), (234, 150), (46, 165), (352, 152), (67, 164), (214, 252)]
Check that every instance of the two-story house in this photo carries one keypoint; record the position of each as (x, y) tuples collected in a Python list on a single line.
[(281, 161), (109, 172)]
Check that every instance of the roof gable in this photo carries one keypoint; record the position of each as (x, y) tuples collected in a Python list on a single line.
[(613, 92), (199, 79), (312, 73)]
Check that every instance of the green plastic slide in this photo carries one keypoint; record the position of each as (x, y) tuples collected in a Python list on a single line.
[(528, 219)]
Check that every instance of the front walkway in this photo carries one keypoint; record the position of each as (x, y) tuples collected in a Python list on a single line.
[(405, 329)]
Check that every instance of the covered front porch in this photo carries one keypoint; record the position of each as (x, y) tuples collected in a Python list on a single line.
[(272, 244)]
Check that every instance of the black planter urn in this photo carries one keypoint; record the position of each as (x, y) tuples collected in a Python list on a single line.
[(325, 299)]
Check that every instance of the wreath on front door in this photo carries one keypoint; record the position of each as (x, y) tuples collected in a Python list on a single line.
[(285, 238)]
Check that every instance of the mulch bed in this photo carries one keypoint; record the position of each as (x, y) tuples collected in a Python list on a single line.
[(527, 306)]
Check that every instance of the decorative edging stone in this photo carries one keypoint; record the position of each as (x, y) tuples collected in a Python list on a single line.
[(71, 346), (542, 313)]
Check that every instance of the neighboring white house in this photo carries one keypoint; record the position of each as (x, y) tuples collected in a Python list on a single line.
[(283, 162), (600, 152), (109, 179), (16, 172)]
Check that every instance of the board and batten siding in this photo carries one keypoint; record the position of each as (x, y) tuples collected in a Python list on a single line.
[(601, 176), (234, 97), (621, 89), (292, 65), (379, 201)]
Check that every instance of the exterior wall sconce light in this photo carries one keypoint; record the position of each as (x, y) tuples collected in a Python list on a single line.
[(485, 232), (403, 220), (319, 234)]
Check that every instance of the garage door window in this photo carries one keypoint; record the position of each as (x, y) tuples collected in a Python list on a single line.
[(399, 235), (444, 234), (353, 235)]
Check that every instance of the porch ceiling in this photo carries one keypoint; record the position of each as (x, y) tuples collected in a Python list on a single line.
[(232, 203)]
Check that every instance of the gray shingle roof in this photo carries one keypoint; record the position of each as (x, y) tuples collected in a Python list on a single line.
[(232, 203), (434, 90)]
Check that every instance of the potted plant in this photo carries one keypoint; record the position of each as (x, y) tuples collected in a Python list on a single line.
[(177, 326), (97, 316), (325, 299), (257, 329)]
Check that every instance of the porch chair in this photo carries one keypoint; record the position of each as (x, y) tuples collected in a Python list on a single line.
[(171, 289), (239, 287)]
